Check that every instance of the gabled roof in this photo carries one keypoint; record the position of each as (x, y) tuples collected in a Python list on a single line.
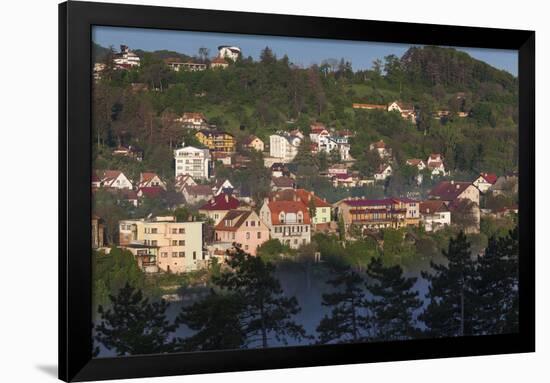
[(414, 161), (219, 60), (432, 206), (248, 140), (222, 201), (449, 190), (194, 116), (282, 181), (305, 196), (298, 195), (379, 145), (276, 207), (147, 176), (489, 177), (233, 220)]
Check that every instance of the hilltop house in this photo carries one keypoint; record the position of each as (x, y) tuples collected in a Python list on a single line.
[(383, 172), (288, 222), (218, 206), (223, 186), (505, 185), (125, 59), (420, 166), (219, 62), (183, 180), (114, 179), (176, 65), (129, 151), (193, 120), (380, 147), (452, 193), (485, 181), (282, 183), (149, 179), (318, 132), (254, 143), (193, 162), (217, 141), (435, 164), (244, 228), (369, 106), (229, 52), (435, 215), (284, 146), (406, 111), (178, 244)]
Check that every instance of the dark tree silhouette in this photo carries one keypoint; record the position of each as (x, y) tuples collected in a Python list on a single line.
[(346, 322), (393, 303), (496, 287), (133, 325), (450, 292), (263, 311)]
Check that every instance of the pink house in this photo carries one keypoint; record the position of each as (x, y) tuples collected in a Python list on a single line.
[(242, 227)]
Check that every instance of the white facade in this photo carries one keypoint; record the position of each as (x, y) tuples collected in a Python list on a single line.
[(284, 147), (179, 243), (115, 179), (126, 58), (193, 161), (383, 173), (289, 227), (229, 52), (436, 220)]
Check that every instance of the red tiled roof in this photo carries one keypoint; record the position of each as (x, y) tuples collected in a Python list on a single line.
[(449, 190), (414, 161), (379, 145), (369, 202), (222, 201), (147, 176), (432, 206), (276, 207), (197, 190), (299, 194), (489, 177), (219, 60)]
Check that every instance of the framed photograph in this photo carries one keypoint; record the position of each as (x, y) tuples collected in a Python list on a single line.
[(246, 191)]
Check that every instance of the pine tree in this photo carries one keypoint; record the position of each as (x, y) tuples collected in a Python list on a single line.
[(393, 302), (135, 326), (216, 323), (450, 291), (261, 309), (496, 287), (346, 322)]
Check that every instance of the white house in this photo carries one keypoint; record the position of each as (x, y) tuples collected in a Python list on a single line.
[(434, 215), (114, 179), (436, 165), (419, 165), (222, 187), (288, 222), (485, 181), (229, 52), (126, 58), (384, 171), (405, 110), (284, 146), (380, 147), (317, 130), (193, 161), (149, 179)]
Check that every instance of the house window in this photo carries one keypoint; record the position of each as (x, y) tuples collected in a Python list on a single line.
[(247, 235), (181, 242), (246, 247), (182, 254), (259, 235), (306, 228), (174, 231), (164, 254), (181, 230), (154, 242), (174, 254), (154, 230), (194, 255)]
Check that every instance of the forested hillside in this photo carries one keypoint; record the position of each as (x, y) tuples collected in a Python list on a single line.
[(262, 96)]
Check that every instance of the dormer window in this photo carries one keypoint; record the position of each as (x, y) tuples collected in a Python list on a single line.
[(282, 217)]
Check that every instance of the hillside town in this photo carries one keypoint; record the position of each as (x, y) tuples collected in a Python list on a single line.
[(227, 217), (244, 200)]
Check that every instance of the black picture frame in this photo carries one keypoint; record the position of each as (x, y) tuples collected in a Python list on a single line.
[(75, 338)]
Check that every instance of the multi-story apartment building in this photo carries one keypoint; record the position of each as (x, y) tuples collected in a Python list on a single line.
[(288, 222), (126, 58), (193, 161), (284, 146), (217, 141), (379, 214), (179, 244), (244, 228)]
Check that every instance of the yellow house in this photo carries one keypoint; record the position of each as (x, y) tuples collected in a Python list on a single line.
[(217, 141)]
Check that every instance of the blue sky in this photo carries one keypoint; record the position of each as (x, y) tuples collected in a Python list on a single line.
[(301, 51)]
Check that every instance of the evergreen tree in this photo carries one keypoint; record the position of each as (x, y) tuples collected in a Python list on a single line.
[(216, 323), (450, 292), (346, 322), (393, 302), (133, 325), (496, 288), (260, 306)]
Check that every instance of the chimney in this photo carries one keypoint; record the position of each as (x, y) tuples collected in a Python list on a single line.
[(452, 182), (226, 198)]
